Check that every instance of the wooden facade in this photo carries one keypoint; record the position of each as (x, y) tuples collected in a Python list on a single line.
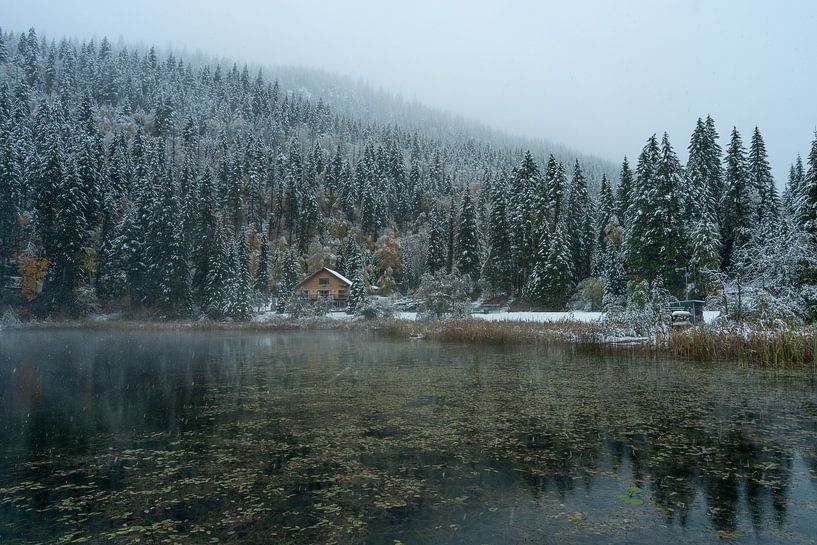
[(326, 283)]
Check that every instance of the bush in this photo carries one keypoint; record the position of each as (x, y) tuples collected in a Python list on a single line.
[(444, 296), (588, 296)]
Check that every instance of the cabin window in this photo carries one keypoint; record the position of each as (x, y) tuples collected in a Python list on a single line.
[(323, 281), (343, 293), (323, 293)]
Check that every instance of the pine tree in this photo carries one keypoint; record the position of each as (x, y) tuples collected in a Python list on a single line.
[(239, 290), (642, 241), (451, 228), (670, 219), (357, 292), (437, 241), (524, 182), (66, 246), (607, 209), (738, 203), (625, 187), (615, 279), (262, 272), (552, 281), (807, 206), (167, 265), (705, 257), (290, 276), (219, 275), (498, 266), (468, 244), (762, 182), (580, 230)]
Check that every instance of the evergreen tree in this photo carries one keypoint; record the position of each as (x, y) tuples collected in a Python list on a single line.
[(468, 245), (580, 231), (762, 182), (357, 292), (524, 182), (738, 203), (66, 246), (167, 265), (290, 276), (552, 281), (807, 208), (625, 187), (498, 266), (607, 209), (450, 245), (437, 241), (239, 291), (219, 276), (642, 240), (262, 272)]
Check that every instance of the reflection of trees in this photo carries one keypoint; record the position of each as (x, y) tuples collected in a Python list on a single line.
[(430, 413)]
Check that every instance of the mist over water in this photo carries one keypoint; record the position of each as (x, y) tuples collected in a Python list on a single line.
[(246, 437)]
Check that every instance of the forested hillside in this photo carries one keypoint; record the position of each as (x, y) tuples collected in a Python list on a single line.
[(171, 187)]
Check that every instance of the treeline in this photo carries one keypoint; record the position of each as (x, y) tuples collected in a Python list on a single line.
[(716, 228), (159, 186), (141, 183)]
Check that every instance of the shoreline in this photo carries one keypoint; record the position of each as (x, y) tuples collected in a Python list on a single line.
[(783, 348)]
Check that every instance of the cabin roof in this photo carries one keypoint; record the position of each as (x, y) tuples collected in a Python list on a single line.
[(336, 274)]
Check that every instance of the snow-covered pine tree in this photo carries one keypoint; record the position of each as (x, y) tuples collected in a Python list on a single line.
[(580, 231), (468, 240), (625, 187), (670, 219), (807, 206), (262, 275), (290, 276), (437, 241), (705, 256), (760, 178), (643, 241), (738, 203), (524, 181), (357, 292), (239, 292), (791, 197), (606, 210), (67, 243), (553, 281), (169, 282), (219, 275), (499, 263)]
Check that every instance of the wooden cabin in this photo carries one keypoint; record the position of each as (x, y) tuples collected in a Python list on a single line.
[(326, 283)]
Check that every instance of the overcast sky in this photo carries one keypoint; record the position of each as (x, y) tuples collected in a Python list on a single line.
[(600, 76)]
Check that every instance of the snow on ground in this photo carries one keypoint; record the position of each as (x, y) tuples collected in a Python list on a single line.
[(575, 316), (506, 316), (711, 315)]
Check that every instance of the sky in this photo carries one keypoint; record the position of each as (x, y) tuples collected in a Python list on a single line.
[(599, 76)]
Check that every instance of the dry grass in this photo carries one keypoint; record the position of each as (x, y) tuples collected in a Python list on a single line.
[(781, 348)]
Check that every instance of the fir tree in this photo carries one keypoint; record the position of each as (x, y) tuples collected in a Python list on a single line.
[(290, 276), (625, 186), (468, 253), (552, 281), (357, 292), (738, 203), (762, 182), (219, 276), (262, 272), (498, 267), (437, 241), (807, 208), (580, 230)]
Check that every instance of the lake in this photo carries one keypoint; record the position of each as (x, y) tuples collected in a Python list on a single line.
[(314, 437)]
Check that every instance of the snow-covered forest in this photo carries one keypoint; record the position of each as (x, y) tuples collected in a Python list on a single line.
[(169, 186)]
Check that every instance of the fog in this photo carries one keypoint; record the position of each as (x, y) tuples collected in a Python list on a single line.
[(598, 76)]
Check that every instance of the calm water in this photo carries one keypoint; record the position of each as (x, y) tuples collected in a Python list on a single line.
[(151, 437)]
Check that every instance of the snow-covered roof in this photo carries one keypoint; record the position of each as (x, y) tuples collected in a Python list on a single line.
[(336, 274)]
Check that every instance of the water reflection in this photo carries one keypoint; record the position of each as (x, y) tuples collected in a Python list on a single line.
[(308, 437)]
